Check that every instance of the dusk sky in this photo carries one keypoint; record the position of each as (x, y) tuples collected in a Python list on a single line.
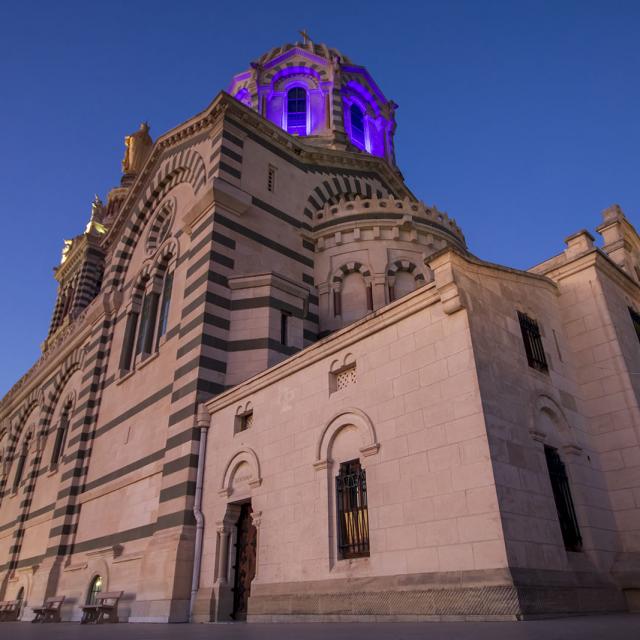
[(520, 119)]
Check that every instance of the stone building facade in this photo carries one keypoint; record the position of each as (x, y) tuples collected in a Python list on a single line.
[(277, 386)]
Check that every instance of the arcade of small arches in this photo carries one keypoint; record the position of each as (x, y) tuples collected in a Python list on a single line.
[(352, 287)]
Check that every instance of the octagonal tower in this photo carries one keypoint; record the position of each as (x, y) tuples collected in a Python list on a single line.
[(314, 91)]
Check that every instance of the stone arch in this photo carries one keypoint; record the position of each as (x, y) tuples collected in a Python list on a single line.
[(350, 267), (97, 566), (361, 301), (245, 455), (404, 266), (160, 225), (167, 254), (72, 364), (340, 186), (547, 410), (185, 166), (34, 400), (343, 418)]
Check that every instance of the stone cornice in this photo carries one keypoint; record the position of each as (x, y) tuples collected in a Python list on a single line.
[(473, 263), (377, 321), (600, 260)]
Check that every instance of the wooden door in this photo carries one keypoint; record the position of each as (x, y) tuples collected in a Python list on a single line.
[(245, 566)]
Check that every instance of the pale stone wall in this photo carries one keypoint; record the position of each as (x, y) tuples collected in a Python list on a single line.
[(431, 495)]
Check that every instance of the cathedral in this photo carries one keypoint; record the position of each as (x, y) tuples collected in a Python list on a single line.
[(277, 386)]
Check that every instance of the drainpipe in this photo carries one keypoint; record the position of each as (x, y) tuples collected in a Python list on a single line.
[(203, 421)]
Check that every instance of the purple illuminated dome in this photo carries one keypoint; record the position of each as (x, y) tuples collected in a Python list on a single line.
[(314, 91)]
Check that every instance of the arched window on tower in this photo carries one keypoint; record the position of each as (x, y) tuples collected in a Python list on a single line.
[(297, 111), (61, 436), (357, 125), (22, 459), (147, 320)]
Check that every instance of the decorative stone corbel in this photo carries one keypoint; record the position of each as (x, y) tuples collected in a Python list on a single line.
[(442, 266)]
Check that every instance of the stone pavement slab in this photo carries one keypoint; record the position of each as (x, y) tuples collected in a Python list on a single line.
[(611, 627)]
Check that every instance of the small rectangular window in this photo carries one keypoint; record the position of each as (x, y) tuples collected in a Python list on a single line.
[(352, 511), (284, 327), (563, 499), (635, 318), (532, 342), (271, 179), (243, 422)]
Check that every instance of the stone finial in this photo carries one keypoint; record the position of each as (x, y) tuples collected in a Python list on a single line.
[(138, 147)]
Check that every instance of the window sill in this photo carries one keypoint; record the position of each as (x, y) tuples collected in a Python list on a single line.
[(145, 358), (124, 374), (53, 470)]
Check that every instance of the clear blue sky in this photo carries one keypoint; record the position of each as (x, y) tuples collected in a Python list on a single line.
[(520, 119)]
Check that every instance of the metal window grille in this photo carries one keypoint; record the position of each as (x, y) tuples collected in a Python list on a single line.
[(564, 501), (532, 342), (635, 317), (352, 513)]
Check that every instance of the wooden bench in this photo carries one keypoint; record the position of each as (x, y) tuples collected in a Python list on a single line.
[(104, 610), (9, 610), (49, 611)]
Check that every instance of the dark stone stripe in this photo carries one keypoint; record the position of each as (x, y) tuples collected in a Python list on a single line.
[(207, 386), (202, 227), (164, 522), (187, 412), (188, 435), (231, 154), (223, 240), (230, 170), (203, 362), (187, 488), (281, 215), (204, 318), (158, 395), (190, 461), (203, 339), (123, 471), (231, 138), (256, 237)]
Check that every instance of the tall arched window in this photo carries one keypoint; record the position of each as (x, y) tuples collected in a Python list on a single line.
[(357, 125), (145, 326), (61, 436), (297, 111), (94, 589), (21, 463)]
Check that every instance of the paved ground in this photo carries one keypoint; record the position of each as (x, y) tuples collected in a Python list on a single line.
[(613, 627)]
